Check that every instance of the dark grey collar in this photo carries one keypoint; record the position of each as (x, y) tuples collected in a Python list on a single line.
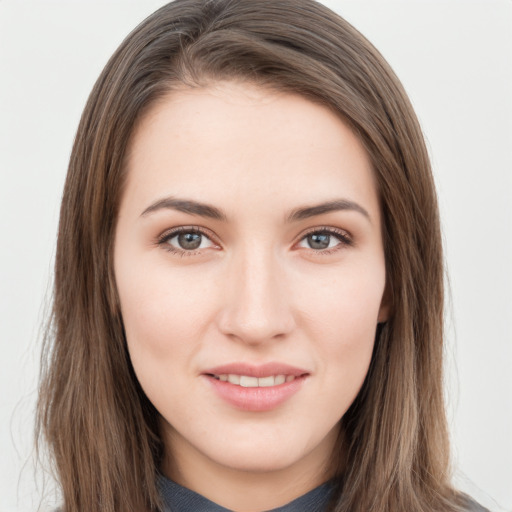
[(179, 499)]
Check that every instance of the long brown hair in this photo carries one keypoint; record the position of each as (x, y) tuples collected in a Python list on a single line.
[(101, 429)]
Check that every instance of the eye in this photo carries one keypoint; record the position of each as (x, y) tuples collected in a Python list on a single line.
[(325, 240), (185, 240)]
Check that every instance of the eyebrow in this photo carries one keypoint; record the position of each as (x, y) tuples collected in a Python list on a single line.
[(209, 211), (186, 206), (327, 207)]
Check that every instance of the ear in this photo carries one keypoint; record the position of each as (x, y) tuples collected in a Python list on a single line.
[(385, 305)]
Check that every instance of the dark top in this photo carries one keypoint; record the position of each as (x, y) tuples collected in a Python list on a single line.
[(180, 499)]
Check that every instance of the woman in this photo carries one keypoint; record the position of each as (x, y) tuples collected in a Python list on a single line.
[(248, 290)]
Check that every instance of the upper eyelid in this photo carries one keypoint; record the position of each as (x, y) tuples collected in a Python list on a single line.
[(172, 232), (206, 231), (326, 229)]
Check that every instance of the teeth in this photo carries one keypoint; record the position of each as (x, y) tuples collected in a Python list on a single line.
[(234, 379), (264, 382), (254, 382), (248, 382), (280, 379)]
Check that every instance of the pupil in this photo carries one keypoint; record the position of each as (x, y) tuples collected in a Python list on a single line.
[(189, 241), (319, 241)]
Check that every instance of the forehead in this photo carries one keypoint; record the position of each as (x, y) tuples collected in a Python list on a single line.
[(232, 140)]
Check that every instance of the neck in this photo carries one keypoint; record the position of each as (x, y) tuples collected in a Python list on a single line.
[(248, 489)]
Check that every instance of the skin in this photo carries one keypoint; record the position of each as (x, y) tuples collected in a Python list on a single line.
[(255, 290)]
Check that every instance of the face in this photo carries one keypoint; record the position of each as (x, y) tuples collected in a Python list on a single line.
[(250, 271)]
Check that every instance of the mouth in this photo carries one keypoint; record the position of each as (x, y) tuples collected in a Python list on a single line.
[(256, 388), (247, 381)]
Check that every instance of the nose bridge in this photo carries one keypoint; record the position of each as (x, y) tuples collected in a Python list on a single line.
[(256, 306)]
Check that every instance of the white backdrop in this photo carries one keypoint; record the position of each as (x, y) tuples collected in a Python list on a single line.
[(455, 60)]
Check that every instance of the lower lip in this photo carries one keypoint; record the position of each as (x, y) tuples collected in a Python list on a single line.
[(256, 399)]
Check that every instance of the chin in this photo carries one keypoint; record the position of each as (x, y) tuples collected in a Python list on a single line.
[(260, 453), (257, 461)]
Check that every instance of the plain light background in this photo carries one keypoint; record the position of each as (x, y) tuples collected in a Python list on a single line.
[(454, 58)]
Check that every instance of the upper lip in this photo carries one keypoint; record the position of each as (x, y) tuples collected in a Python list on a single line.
[(256, 370)]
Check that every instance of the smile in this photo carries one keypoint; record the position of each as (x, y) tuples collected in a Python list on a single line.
[(256, 388), (247, 381)]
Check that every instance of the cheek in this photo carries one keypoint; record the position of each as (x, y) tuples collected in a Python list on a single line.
[(344, 303), (341, 315), (164, 313), (165, 317)]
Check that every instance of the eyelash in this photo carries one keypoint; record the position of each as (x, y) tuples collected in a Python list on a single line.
[(343, 237), (164, 238)]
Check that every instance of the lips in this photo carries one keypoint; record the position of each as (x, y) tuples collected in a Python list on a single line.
[(248, 381), (256, 388)]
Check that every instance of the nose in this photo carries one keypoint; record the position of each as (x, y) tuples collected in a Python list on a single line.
[(257, 306)]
